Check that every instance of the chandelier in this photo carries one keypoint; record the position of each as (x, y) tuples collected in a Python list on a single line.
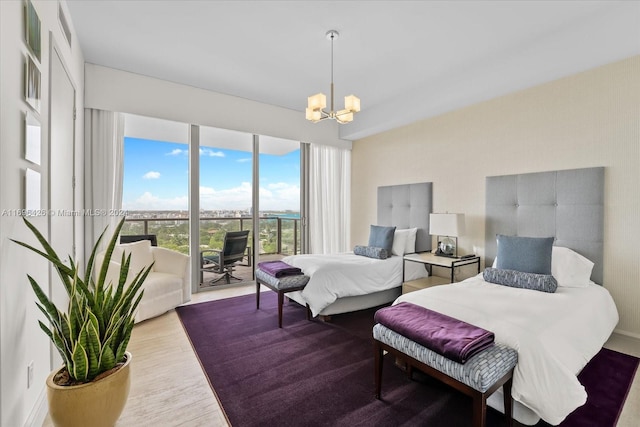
[(317, 103)]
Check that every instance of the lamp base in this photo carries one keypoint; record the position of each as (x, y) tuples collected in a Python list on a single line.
[(447, 248)]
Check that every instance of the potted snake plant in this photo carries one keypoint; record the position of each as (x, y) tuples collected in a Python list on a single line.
[(91, 335)]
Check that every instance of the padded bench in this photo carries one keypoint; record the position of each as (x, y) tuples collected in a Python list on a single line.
[(478, 378), (281, 286)]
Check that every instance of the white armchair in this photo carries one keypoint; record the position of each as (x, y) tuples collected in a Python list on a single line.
[(167, 285)]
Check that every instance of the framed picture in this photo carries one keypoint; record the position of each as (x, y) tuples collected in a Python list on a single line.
[(32, 190), (32, 138), (32, 29), (32, 84)]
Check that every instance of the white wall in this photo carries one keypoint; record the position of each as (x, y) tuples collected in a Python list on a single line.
[(588, 119), (115, 90), (21, 340)]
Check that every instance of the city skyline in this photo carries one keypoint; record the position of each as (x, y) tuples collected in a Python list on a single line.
[(156, 178)]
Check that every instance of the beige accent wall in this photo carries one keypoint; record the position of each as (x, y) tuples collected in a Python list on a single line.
[(588, 119)]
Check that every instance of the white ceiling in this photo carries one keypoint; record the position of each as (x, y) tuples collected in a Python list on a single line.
[(406, 60)]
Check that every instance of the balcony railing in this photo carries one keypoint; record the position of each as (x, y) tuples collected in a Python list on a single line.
[(277, 235)]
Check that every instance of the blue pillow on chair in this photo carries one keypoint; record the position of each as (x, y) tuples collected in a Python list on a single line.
[(526, 254), (381, 237)]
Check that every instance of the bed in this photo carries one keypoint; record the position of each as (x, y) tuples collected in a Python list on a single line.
[(555, 334), (341, 283)]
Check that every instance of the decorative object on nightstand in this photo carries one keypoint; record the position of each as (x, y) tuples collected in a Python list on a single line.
[(449, 226)]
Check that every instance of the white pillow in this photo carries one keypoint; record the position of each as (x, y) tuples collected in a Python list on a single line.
[(411, 241), (404, 241), (399, 242), (141, 256), (570, 269)]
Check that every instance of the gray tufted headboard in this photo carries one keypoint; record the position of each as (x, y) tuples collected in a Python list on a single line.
[(407, 206), (567, 204)]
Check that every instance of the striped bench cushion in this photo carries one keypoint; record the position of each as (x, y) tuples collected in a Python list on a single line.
[(480, 372), (282, 283)]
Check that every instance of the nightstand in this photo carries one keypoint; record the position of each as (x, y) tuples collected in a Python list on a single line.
[(429, 260)]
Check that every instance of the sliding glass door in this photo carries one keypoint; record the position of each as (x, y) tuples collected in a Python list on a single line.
[(225, 182)]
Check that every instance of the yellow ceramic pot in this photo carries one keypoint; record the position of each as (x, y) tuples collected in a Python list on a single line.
[(98, 403)]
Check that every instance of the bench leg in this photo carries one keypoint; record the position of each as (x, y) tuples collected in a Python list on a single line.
[(479, 410), (508, 402), (308, 311), (257, 295), (377, 352), (280, 302)]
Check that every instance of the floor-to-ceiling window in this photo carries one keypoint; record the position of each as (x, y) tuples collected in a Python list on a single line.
[(279, 198), (155, 180)]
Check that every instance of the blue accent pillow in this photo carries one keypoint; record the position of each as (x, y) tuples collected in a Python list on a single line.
[(381, 237), (371, 252), (518, 279), (526, 254)]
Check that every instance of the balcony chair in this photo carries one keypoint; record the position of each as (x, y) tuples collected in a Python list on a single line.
[(131, 238), (222, 261)]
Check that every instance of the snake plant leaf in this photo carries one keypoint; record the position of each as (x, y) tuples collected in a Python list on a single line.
[(94, 349), (52, 311), (80, 363), (122, 348), (64, 272), (107, 256), (107, 358)]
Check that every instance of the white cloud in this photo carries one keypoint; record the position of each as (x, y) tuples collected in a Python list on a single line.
[(280, 196), (149, 202), (210, 153), (177, 152), (151, 175), (246, 159)]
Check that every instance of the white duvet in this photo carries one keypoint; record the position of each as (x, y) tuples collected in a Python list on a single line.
[(555, 334), (334, 276)]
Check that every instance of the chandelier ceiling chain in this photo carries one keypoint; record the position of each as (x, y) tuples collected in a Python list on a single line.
[(317, 103)]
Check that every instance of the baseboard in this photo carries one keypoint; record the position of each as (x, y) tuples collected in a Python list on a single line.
[(627, 334), (39, 411)]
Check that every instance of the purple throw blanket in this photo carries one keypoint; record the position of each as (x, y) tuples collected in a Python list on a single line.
[(278, 269), (452, 338)]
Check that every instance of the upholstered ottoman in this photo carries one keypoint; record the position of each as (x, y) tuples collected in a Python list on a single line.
[(281, 286), (479, 377)]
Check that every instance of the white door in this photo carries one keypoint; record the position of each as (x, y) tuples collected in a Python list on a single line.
[(61, 168)]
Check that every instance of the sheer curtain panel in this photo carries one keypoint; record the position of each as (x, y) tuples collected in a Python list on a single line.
[(103, 163), (329, 199)]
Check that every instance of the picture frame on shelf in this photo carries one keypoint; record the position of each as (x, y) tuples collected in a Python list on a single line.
[(32, 27), (32, 84), (32, 139)]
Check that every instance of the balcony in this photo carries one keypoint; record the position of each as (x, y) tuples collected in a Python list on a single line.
[(278, 237)]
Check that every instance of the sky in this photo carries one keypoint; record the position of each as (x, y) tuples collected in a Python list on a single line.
[(156, 177)]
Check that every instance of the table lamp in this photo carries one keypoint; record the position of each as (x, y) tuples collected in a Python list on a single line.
[(449, 226)]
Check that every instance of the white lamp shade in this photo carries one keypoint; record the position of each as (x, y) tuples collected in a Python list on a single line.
[(352, 103), (317, 101), (447, 224), (313, 115)]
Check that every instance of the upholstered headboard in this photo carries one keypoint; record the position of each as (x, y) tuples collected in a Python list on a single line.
[(407, 206), (567, 204)]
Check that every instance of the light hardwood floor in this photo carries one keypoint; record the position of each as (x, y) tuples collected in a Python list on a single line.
[(168, 387)]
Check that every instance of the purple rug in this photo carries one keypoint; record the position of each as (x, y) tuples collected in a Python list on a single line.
[(321, 374)]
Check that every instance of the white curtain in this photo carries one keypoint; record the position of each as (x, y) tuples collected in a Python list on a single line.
[(103, 163), (329, 199)]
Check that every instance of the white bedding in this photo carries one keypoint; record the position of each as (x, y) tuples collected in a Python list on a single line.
[(555, 334), (334, 276)]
